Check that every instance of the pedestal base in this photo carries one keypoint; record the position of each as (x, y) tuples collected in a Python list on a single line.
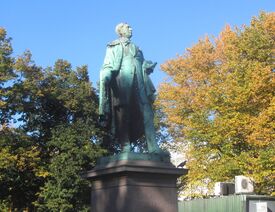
[(133, 186)]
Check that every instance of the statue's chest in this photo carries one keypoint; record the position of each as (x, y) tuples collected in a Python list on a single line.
[(130, 50)]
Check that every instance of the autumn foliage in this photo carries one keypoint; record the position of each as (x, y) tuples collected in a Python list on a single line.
[(219, 100)]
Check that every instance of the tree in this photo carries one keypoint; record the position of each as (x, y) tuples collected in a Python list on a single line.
[(60, 111), (20, 169), (56, 113), (72, 154), (220, 102), (19, 157), (6, 73)]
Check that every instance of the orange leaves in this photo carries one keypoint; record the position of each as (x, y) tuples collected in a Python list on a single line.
[(221, 97), (200, 56), (2, 33), (226, 44), (169, 101), (263, 127), (265, 21)]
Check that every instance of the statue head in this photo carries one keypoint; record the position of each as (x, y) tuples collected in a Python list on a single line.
[(124, 30)]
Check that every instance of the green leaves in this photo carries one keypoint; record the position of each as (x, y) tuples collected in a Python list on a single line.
[(20, 168), (220, 101), (6, 73), (56, 138), (72, 154)]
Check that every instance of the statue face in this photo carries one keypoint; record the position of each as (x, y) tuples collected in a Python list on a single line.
[(126, 31)]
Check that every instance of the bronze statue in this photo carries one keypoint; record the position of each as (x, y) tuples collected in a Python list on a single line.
[(127, 93)]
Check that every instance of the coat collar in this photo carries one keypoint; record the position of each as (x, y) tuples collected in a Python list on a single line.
[(124, 41)]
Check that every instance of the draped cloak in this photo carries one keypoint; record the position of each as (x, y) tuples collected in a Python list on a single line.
[(124, 82)]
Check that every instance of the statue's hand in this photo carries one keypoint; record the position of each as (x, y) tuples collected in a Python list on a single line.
[(148, 66), (149, 71)]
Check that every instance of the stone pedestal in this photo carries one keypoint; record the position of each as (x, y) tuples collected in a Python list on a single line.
[(134, 186)]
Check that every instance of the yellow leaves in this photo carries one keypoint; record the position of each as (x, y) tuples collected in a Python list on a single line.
[(269, 23), (200, 56), (21, 161), (225, 37), (226, 44), (265, 21), (2, 104), (194, 65), (260, 166), (6, 158), (28, 159), (16, 153), (3, 33), (22, 62), (43, 173), (221, 98), (263, 127)]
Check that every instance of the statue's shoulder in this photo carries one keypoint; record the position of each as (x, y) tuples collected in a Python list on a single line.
[(114, 43)]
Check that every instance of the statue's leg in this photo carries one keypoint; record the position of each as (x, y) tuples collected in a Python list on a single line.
[(123, 127), (149, 128)]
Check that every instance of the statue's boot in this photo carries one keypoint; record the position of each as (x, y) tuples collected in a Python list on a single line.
[(154, 148), (126, 147)]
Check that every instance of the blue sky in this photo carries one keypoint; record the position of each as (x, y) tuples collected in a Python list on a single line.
[(78, 31)]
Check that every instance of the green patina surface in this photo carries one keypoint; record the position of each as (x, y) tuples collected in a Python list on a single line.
[(163, 157), (126, 95)]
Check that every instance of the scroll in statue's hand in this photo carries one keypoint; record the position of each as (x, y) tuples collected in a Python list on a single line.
[(148, 66), (149, 71)]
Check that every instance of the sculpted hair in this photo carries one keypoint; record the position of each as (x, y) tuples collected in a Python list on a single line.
[(119, 28)]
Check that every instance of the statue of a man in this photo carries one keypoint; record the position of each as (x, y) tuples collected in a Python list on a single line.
[(127, 92)]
